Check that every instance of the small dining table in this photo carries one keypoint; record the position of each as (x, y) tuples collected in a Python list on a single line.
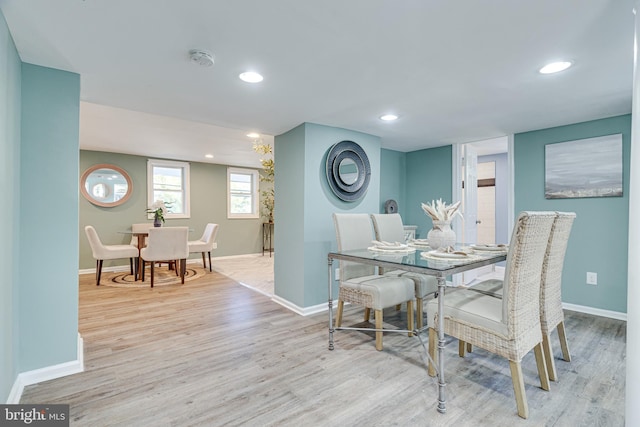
[(142, 238), (415, 262)]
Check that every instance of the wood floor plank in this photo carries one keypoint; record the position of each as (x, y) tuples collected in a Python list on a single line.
[(212, 352)]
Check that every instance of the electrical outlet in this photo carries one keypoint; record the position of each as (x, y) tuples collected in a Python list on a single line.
[(592, 278)]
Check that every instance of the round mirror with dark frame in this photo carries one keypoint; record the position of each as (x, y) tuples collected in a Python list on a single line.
[(106, 185), (348, 171)]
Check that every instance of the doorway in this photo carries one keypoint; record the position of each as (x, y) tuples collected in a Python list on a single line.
[(482, 181)]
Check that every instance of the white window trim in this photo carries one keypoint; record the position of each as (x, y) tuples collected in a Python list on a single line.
[(255, 193), (186, 183)]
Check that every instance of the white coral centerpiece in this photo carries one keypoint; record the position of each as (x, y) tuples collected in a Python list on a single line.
[(440, 211)]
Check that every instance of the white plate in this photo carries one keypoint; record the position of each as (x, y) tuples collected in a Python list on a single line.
[(495, 248), (399, 248), (449, 255)]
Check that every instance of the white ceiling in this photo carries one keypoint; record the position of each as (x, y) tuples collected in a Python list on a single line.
[(454, 71)]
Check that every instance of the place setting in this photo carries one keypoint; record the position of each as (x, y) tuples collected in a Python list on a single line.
[(390, 247)]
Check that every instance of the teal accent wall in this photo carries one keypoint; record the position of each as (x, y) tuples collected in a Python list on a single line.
[(393, 179), (208, 204), (428, 178), (10, 81), (48, 295), (598, 241), (301, 277)]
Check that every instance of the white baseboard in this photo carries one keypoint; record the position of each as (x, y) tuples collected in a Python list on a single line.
[(45, 374), (303, 311), (595, 311)]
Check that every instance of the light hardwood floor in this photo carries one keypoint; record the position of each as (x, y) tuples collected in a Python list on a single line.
[(213, 352)]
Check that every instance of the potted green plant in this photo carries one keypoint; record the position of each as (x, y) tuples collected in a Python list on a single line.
[(159, 210)]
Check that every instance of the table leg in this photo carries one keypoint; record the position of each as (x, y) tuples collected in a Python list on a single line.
[(141, 239), (330, 262), (442, 398)]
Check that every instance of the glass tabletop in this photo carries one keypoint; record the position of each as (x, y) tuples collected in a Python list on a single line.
[(425, 259)]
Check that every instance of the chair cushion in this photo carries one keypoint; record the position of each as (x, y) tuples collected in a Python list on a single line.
[(492, 287), (424, 285), (472, 308), (384, 291), (200, 246), (119, 251)]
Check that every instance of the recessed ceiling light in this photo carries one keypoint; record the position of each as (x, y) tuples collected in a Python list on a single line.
[(209, 156), (389, 117), (253, 135), (555, 67), (250, 77)]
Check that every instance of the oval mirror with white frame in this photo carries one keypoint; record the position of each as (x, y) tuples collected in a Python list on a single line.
[(106, 185)]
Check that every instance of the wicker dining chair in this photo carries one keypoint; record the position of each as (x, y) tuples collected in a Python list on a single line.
[(508, 327), (389, 228), (551, 313), (359, 283)]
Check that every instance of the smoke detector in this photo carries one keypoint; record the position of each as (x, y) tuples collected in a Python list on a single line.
[(201, 57)]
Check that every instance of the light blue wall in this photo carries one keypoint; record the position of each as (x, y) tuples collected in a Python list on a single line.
[(208, 204), (302, 277), (48, 299), (428, 178), (598, 241), (10, 214), (289, 211), (393, 179), (502, 192)]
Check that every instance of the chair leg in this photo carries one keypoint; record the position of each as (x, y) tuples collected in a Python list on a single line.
[(339, 313), (175, 266), (542, 367), (131, 265), (209, 261), (469, 348), (563, 342), (433, 345), (419, 314), (98, 271), (141, 273), (183, 269), (518, 388), (378, 316), (548, 356), (367, 314), (204, 264), (461, 348), (152, 264), (410, 317)]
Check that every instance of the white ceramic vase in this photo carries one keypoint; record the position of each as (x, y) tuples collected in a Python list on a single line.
[(441, 235)]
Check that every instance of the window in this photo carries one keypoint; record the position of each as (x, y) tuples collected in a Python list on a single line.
[(169, 181), (242, 193)]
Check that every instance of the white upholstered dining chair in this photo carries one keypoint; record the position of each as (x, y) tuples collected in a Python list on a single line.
[(166, 243), (206, 243), (508, 327), (551, 313), (139, 228), (359, 283), (102, 252), (389, 228)]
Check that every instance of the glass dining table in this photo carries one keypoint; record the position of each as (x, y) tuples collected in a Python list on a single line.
[(423, 261)]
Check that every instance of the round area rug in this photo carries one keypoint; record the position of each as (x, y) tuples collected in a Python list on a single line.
[(162, 277)]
